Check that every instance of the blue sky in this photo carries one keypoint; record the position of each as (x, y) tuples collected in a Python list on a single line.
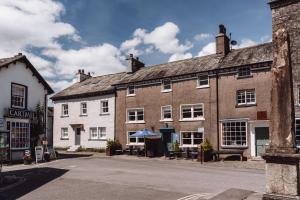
[(60, 37)]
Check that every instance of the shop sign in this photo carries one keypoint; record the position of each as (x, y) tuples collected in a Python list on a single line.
[(23, 114), (38, 153)]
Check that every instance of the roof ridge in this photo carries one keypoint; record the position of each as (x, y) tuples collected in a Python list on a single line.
[(254, 46)]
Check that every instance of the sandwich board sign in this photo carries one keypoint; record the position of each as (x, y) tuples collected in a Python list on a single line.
[(38, 153)]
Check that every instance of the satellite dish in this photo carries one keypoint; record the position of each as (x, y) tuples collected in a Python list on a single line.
[(233, 42)]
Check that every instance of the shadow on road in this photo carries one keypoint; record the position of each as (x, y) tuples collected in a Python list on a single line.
[(34, 178), (71, 155)]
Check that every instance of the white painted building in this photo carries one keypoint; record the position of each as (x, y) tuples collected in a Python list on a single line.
[(22, 88), (84, 113)]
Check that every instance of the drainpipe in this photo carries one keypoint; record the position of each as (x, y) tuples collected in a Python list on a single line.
[(217, 95)]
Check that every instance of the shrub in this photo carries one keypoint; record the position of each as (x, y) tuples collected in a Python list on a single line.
[(206, 146)]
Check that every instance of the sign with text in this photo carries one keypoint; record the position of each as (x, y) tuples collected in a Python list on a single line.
[(38, 153), (23, 114)]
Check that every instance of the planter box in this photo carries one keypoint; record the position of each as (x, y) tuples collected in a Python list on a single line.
[(207, 156), (109, 151)]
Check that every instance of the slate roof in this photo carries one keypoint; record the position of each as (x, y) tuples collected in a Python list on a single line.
[(4, 62), (105, 84), (91, 87), (249, 55)]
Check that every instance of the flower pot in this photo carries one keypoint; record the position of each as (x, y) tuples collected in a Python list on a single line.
[(27, 162), (207, 156)]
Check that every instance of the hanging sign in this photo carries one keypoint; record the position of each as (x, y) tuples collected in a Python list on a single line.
[(38, 153)]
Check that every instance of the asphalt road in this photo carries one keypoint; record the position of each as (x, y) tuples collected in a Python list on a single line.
[(114, 178)]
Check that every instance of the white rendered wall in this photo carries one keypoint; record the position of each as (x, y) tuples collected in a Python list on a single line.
[(93, 119), (18, 73)]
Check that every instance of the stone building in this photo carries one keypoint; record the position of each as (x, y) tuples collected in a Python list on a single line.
[(84, 114), (223, 97), (22, 89)]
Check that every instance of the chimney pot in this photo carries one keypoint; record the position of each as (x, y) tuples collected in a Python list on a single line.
[(222, 41)]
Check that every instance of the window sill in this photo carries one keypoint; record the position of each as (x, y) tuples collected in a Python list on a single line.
[(103, 139), (83, 115), (166, 120), (63, 116), (135, 144), (166, 91), (203, 87), (130, 95), (234, 147), (245, 105), (103, 114), (64, 138), (188, 146), (191, 120), (242, 77), (136, 122)]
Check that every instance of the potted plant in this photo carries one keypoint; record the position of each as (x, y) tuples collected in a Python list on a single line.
[(27, 159), (110, 145), (206, 151), (176, 149)]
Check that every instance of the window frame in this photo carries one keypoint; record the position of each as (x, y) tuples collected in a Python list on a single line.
[(223, 142), (163, 89), (128, 91), (246, 103), (136, 115), (81, 109), (198, 81), (192, 112), (298, 95), (162, 113), (241, 70), (102, 107), (136, 143), (23, 129), (63, 110), (296, 119), (24, 98), (192, 139), (62, 133)]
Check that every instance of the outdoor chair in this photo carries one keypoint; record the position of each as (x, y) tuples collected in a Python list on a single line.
[(194, 154), (185, 153), (128, 151)]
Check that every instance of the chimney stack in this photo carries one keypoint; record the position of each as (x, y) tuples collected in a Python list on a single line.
[(222, 41), (134, 64), (81, 76)]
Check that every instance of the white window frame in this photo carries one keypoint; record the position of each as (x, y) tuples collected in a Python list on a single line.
[(128, 91), (234, 145), (192, 112), (62, 133), (92, 137), (242, 69), (136, 115), (244, 92), (63, 110), (192, 139), (102, 107), (298, 95), (99, 133), (163, 86), (199, 84), (24, 130), (14, 85), (163, 108), (136, 143), (82, 108)]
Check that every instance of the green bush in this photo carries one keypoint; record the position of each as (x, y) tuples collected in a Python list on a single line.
[(111, 144), (206, 146), (176, 146)]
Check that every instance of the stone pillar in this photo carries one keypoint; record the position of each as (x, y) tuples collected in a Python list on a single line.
[(282, 158)]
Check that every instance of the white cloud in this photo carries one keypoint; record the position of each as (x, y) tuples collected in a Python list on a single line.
[(202, 36), (245, 43), (208, 49), (101, 59), (179, 56), (129, 44)]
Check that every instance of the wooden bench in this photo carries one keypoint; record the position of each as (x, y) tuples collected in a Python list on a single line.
[(229, 152)]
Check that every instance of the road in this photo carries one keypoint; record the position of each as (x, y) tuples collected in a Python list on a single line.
[(115, 178)]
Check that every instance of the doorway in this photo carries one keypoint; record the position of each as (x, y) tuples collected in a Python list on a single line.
[(77, 136), (261, 140)]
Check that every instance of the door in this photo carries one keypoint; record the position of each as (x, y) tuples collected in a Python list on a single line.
[(261, 140), (77, 136)]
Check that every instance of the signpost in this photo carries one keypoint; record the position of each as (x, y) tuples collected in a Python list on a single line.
[(38, 153)]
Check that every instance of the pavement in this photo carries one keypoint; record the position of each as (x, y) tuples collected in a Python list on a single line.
[(127, 178)]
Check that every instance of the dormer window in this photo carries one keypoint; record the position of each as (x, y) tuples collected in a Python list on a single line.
[(203, 81), (130, 90), (244, 72), (166, 85)]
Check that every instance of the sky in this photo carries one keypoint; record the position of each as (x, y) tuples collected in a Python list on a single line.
[(61, 36)]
